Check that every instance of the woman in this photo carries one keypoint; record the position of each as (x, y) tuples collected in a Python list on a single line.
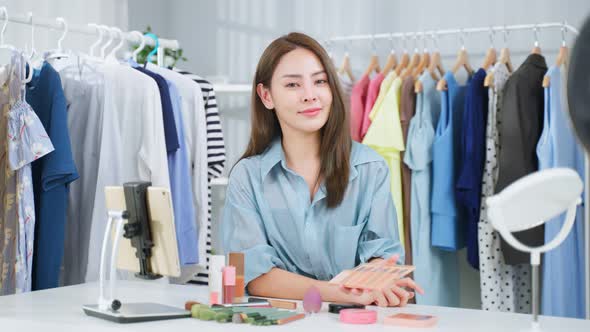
[(305, 202)]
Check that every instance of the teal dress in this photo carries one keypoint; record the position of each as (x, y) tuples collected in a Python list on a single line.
[(437, 271), (448, 230)]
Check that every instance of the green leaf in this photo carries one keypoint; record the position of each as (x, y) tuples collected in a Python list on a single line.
[(177, 55)]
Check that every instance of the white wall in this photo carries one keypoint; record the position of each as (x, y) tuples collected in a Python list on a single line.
[(81, 12), (155, 13)]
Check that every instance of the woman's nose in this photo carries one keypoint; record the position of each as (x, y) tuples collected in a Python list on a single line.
[(309, 94), (310, 98)]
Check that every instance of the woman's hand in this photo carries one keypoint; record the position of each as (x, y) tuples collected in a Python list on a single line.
[(394, 296), (382, 298), (400, 290)]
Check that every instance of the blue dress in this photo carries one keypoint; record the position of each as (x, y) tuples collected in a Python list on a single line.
[(563, 267), (471, 160), (52, 176), (447, 228), (437, 271)]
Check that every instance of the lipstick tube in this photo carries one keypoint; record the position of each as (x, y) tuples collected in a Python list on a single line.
[(237, 259), (229, 284), (216, 265)]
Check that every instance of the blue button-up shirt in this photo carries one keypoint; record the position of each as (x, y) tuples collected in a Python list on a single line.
[(269, 216)]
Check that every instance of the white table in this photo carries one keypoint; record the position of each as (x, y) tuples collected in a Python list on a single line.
[(60, 309)]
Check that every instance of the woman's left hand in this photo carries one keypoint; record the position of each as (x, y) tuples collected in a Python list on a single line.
[(403, 295), (397, 295)]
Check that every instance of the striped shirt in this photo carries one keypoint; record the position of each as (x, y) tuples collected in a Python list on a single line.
[(215, 157)]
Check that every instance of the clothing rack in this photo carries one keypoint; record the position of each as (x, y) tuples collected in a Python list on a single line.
[(232, 88), (505, 29), (59, 24)]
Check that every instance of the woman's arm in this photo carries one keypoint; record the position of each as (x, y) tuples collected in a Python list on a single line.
[(280, 283)]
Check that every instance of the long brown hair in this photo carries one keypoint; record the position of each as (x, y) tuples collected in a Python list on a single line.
[(335, 143)]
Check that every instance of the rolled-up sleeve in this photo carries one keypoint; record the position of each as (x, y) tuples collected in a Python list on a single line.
[(243, 228), (380, 236)]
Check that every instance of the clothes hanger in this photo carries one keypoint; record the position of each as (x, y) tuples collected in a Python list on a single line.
[(33, 50), (140, 36), (405, 60), (391, 61), (109, 33), (418, 84), (35, 58), (59, 52), (81, 64), (536, 49), (562, 56), (462, 58), (113, 36), (374, 61), (434, 65), (11, 48), (504, 59), (346, 68), (425, 61), (112, 56), (414, 60), (505, 53), (491, 55), (155, 50), (461, 62), (92, 54), (99, 40)]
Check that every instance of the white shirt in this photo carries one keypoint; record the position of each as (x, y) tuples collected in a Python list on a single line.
[(195, 133), (84, 91), (132, 144)]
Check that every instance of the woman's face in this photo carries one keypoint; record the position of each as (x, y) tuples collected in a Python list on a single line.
[(299, 94)]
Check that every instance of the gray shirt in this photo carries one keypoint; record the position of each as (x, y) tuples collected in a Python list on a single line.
[(519, 131)]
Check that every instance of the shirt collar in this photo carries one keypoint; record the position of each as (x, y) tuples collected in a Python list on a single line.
[(536, 60), (362, 84), (274, 155)]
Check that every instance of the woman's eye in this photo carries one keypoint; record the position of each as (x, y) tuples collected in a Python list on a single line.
[(291, 85), (321, 81)]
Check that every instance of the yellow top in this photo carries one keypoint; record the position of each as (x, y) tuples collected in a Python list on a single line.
[(385, 137), (383, 89)]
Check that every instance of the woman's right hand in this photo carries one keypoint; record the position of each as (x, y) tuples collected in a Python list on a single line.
[(390, 297)]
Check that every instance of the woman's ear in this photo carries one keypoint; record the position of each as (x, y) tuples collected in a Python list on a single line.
[(264, 95)]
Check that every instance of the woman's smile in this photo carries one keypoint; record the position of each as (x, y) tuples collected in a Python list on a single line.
[(311, 112)]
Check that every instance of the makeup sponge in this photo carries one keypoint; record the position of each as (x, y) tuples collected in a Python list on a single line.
[(312, 300)]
